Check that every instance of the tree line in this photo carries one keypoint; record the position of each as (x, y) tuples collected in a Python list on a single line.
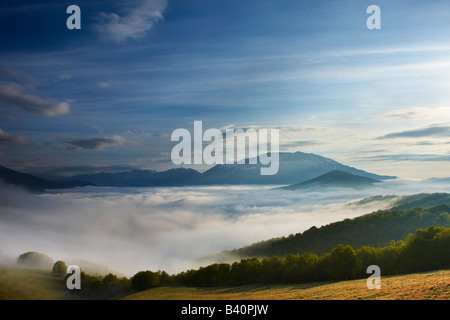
[(425, 250)]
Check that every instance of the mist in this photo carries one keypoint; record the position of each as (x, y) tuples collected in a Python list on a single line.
[(171, 229)]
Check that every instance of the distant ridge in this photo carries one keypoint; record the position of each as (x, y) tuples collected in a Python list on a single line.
[(33, 183), (336, 179), (142, 178)]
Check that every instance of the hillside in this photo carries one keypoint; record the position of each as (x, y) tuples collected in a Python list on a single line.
[(421, 200), (405, 202), (376, 230), (34, 183), (334, 179), (421, 286), (17, 283), (42, 285)]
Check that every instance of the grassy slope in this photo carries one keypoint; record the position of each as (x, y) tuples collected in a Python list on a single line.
[(421, 286), (33, 284), (18, 283)]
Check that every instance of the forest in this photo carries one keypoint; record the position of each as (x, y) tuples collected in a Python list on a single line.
[(376, 229), (425, 250)]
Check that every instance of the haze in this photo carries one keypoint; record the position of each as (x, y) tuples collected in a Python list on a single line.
[(172, 229)]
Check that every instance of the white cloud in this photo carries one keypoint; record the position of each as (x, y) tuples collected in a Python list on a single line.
[(12, 95), (134, 24)]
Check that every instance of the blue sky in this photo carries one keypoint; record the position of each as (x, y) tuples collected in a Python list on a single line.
[(109, 95)]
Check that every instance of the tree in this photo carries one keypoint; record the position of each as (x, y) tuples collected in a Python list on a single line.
[(35, 260), (340, 264), (272, 270), (60, 268), (144, 280), (365, 256), (246, 271), (164, 278), (109, 280)]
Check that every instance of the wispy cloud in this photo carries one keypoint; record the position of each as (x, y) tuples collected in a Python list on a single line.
[(92, 143), (13, 95), (17, 91), (418, 113), (105, 84), (420, 133), (10, 139), (406, 157), (139, 18)]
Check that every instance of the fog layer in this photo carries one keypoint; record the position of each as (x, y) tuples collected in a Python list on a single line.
[(133, 229)]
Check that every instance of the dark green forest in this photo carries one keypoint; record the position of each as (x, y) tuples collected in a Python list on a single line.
[(425, 250), (376, 229)]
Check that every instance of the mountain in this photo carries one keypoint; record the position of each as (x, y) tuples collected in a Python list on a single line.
[(293, 168), (335, 179), (33, 183), (142, 178)]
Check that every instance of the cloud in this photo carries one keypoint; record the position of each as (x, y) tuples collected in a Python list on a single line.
[(65, 76), (93, 143), (405, 157), (105, 84), (134, 24), (12, 95), (301, 143), (9, 139), (18, 75), (15, 87), (417, 113), (420, 133), (403, 116)]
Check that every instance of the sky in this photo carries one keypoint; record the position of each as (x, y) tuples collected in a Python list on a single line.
[(107, 97)]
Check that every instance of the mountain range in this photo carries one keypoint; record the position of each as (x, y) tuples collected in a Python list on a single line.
[(294, 168), (35, 184)]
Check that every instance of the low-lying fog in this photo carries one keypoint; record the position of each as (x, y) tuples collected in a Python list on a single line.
[(133, 229)]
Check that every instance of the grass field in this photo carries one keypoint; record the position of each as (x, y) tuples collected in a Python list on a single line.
[(17, 283), (33, 284), (420, 286)]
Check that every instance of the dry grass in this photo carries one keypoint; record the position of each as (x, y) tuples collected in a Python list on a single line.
[(30, 284), (33, 284), (420, 286)]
